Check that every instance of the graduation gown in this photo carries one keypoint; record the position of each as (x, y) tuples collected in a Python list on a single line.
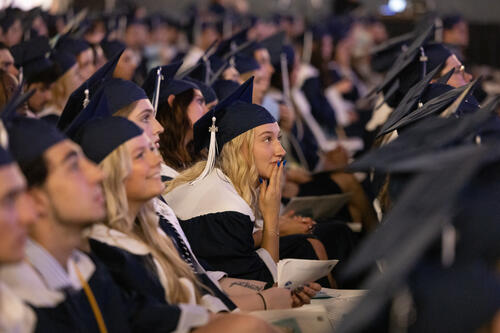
[(57, 297), (136, 271), (219, 226)]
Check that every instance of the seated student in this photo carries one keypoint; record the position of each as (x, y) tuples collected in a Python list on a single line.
[(16, 215), (59, 282), (233, 218), (39, 72), (128, 247)]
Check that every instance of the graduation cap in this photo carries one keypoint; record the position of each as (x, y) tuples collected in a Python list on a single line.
[(245, 64), (32, 56), (208, 93), (8, 17), (444, 297), (274, 45), (419, 217), (82, 95), (120, 93), (231, 117), (405, 59), (63, 60), (227, 46), (71, 45), (410, 100), (224, 88), (340, 27), (384, 55), (451, 20), (101, 136), (28, 138), (168, 84), (111, 48), (453, 101)]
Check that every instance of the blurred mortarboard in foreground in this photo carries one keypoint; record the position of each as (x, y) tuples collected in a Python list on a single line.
[(419, 217), (5, 157), (459, 299), (82, 95), (101, 136)]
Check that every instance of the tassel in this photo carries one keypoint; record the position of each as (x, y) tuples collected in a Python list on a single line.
[(423, 59), (212, 153), (156, 96), (4, 136), (87, 98), (448, 241)]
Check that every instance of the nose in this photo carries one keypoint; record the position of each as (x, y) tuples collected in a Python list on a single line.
[(157, 128), (26, 211), (279, 150), (154, 158)]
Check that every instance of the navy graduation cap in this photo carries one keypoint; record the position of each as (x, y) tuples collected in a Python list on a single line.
[(100, 136), (71, 45), (168, 84), (63, 60), (110, 48), (29, 138), (231, 117), (245, 64), (81, 96), (32, 56), (224, 88), (120, 93)]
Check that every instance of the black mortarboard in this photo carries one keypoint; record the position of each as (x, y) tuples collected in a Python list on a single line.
[(340, 27), (459, 299), (226, 46), (274, 45), (100, 136), (438, 105), (207, 91), (8, 17), (32, 56), (64, 60), (71, 45), (420, 215), (384, 55), (245, 64), (168, 85), (405, 59), (111, 48), (224, 88), (120, 93), (80, 97)]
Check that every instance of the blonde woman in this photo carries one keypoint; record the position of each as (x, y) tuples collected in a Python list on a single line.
[(143, 259), (219, 216)]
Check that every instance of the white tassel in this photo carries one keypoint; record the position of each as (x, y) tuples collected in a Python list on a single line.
[(212, 153), (448, 241), (87, 98), (4, 136), (156, 96)]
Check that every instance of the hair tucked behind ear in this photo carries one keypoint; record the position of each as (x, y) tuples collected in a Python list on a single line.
[(117, 167), (236, 162)]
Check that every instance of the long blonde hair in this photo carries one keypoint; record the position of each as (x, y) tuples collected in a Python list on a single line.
[(62, 89), (236, 162), (117, 166)]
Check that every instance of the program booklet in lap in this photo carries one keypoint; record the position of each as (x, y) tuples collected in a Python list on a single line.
[(316, 207), (293, 273)]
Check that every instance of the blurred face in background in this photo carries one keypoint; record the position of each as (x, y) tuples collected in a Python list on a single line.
[(458, 35), (127, 65), (86, 65)]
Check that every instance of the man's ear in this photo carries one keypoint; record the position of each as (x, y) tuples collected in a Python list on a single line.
[(41, 201), (170, 100)]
